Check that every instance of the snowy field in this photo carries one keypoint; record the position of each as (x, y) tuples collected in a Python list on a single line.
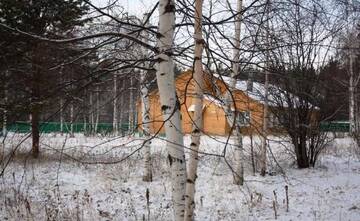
[(94, 178)]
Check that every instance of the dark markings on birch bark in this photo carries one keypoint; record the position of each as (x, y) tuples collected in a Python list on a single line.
[(173, 159), (165, 108), (169, 8), (159, 35), (169, 53), (177, 104), (189, 181), (196, 131), (200, 41), (170, 159), (160, 60)]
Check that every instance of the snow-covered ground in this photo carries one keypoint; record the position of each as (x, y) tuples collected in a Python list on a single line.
[(94, 178)]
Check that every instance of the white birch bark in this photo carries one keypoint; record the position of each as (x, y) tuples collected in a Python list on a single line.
[(145, 115), (197, 126), (351, 96), (131, 109), (352, 84), (97, 108), (266, 102), (92, 120), (121, 106), (230, 115), (115, 105), (170, 106), (265, 128)]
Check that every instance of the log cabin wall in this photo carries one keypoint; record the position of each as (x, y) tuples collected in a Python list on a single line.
[(214, 116)]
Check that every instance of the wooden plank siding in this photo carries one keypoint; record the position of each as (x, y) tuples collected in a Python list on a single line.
[(214, 116)]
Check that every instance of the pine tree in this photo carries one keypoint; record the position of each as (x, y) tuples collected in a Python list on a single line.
[(26, 56)]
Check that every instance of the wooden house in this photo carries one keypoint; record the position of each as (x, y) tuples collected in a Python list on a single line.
[(249, 99)]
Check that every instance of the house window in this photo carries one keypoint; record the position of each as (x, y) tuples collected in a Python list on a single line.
[(274, 120), (243, 118)]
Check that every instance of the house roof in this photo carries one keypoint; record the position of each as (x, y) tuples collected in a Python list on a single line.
[(258, 91), (211, 99), (276, 95)]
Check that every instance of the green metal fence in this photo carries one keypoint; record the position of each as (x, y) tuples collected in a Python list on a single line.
[(335, 126), (51, 127)]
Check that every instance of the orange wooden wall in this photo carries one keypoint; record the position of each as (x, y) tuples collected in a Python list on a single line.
[(214, 120)]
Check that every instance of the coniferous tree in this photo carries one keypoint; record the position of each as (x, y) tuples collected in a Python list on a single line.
[(32, 73)]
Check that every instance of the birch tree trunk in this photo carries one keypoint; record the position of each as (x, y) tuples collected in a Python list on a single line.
[(115, 111), (91, 109), (265, 128), (170, 106), (121, 106), (352, 122), (130, 105), (145, 115), (197, 126), (230, 115), (266, 103), (352, 85), (97, 108)]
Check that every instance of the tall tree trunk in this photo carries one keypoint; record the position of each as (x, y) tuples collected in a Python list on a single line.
[(131, 109), (266, 103), (121, 106), (61, 115), (97, 108), (91, 109), (61, 111), (197, 126), (72, 119), (265, 128), (145, 115), (252, 154), (35, 109), (351, 95), (85, 123), (231, 115), (115, 111), (4, 126), (170, 106), (300, 148), (35, 133)]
